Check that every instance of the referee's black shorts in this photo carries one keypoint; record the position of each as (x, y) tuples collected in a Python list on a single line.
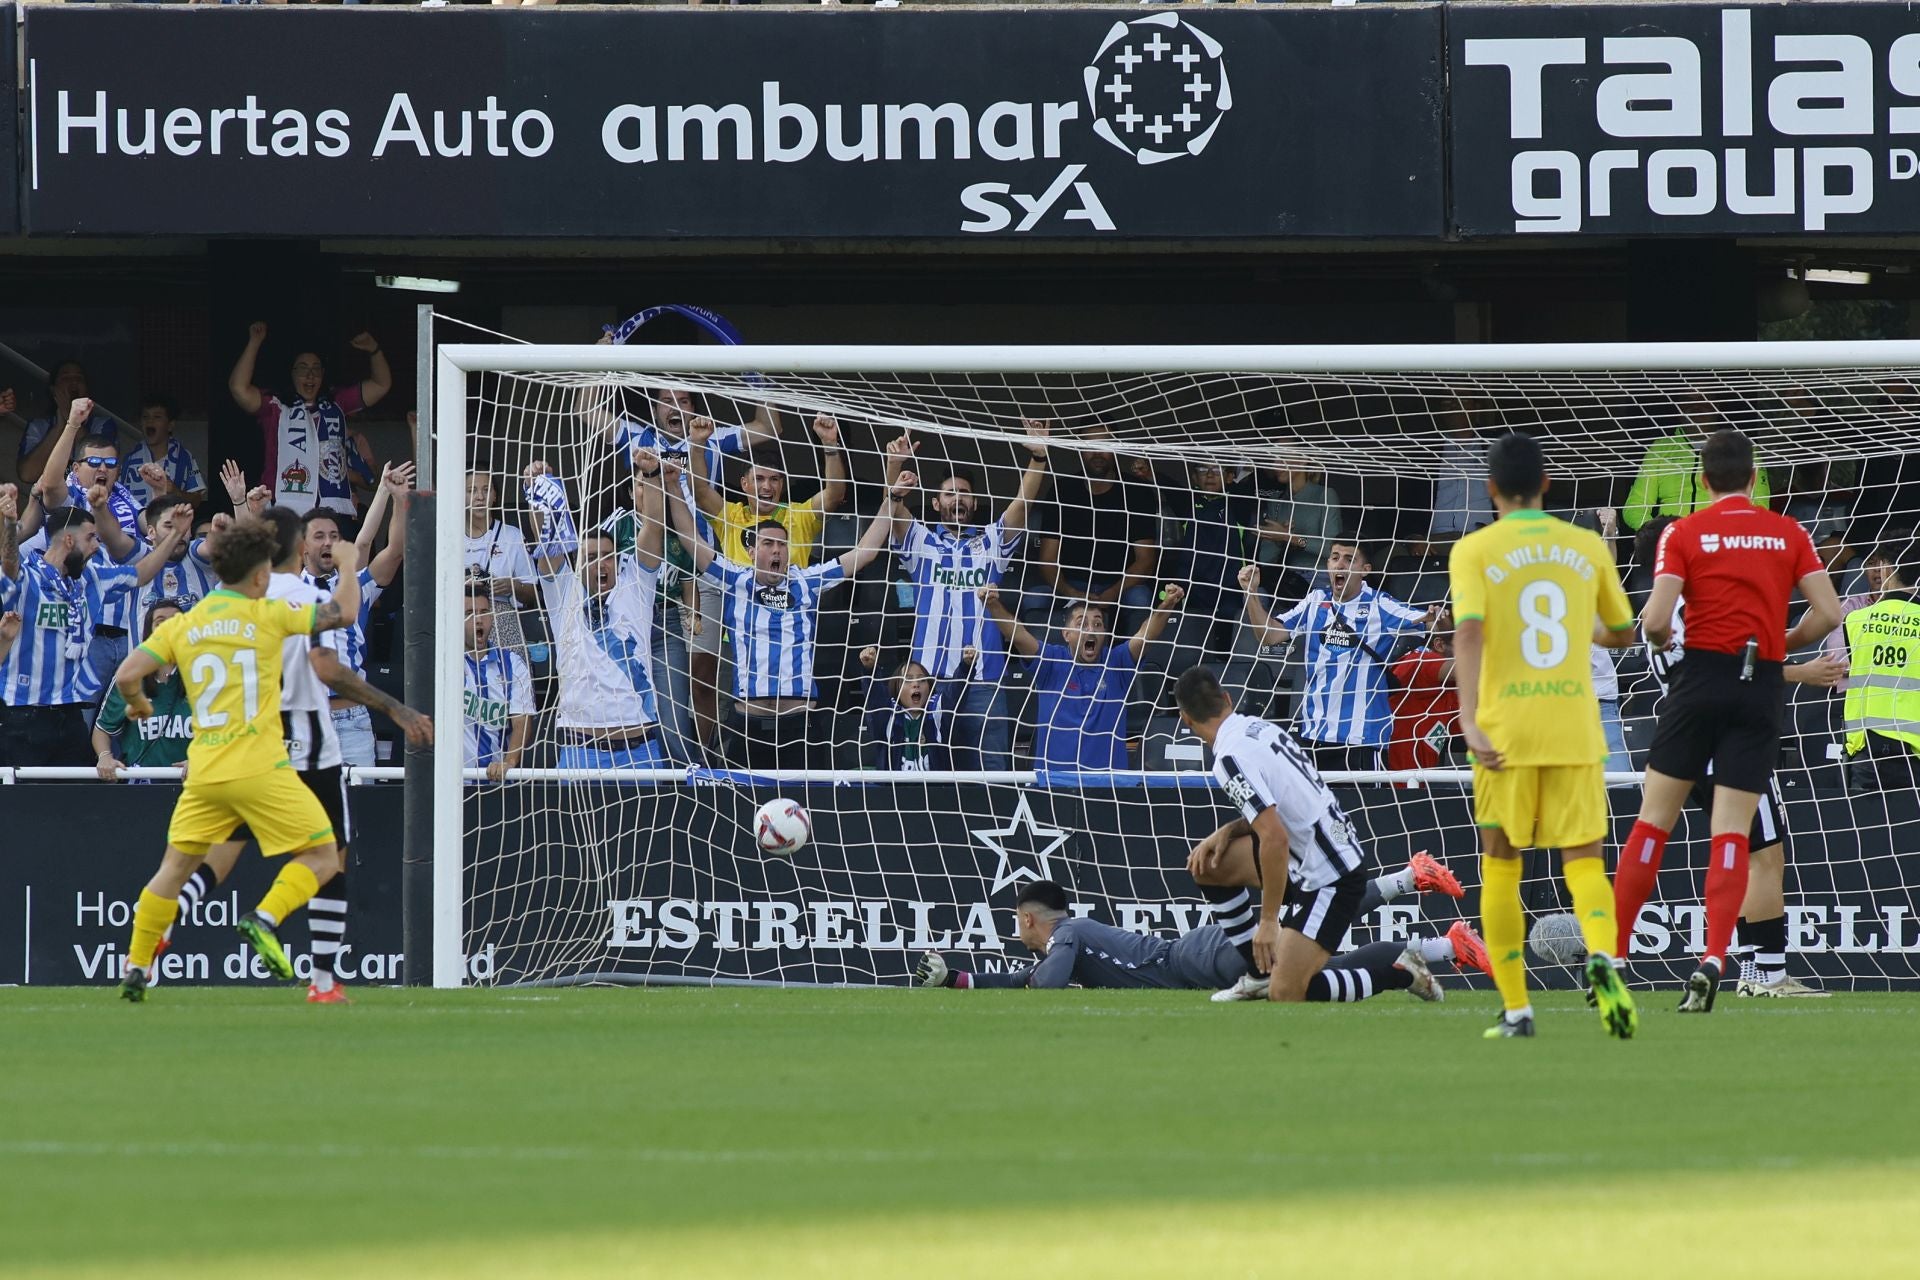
[(1713, 716), (1769, 816)]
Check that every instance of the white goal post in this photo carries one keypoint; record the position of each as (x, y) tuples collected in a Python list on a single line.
[(850, 380)]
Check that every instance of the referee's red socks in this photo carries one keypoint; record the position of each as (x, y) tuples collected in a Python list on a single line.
[(1726, 886), (1633, 879)]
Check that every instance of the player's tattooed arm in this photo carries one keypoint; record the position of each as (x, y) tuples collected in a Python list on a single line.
[(345, 684)]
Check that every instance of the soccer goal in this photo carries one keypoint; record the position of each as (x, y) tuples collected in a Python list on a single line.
[(1133, 511)]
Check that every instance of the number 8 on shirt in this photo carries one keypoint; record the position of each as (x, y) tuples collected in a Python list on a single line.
[(1537, 583)]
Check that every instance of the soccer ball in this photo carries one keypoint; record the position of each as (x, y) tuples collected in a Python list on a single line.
[(1557, 939), (782, 827)]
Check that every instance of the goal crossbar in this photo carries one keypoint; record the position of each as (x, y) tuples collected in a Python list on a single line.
[(589, 359)]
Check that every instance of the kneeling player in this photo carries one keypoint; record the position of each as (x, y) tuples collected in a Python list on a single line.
[(1088, 953), (1292, 840)]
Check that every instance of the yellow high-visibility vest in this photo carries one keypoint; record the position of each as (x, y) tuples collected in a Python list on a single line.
[(1883, 680)]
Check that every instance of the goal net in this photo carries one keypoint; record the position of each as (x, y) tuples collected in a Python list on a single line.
[(1280, 514)]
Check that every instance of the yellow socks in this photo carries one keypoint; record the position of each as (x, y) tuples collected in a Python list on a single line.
[(1504, 924), (151, 917), (292, 889), (1592, 902)]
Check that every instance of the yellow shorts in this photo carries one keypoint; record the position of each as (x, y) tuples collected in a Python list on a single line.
[(1557, 806), (282, 812)]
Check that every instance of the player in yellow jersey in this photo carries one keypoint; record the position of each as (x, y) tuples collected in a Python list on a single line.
[(1530, 593), (228, 648)]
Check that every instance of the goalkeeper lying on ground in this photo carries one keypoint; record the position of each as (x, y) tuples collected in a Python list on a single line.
[(1091, 954)]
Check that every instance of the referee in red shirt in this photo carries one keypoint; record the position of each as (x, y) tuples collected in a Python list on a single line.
[(1737, 565)]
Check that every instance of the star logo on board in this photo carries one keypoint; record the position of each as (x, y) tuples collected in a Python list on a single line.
[(1031, 842), (1158, 88)]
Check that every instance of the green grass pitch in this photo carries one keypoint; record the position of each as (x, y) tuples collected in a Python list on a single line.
[(899, 1133)]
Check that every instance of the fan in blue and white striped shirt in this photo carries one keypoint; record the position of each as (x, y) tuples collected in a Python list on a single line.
[(91, 485), (187, 575), (46, 680), (773, 609), (1350, 629), (499, 695), (952, 559), (160, 447), (111, 625)]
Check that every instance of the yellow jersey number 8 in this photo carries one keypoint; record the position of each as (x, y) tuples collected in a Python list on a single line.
[(1543, 641)]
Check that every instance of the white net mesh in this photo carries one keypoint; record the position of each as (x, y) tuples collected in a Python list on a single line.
[(623, 847)]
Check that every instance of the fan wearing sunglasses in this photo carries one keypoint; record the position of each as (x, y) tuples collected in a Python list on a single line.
[(92, 484)]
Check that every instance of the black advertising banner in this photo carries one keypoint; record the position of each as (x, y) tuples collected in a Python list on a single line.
[(664, 884), (652, 122), (1642, 119), (78, 855)]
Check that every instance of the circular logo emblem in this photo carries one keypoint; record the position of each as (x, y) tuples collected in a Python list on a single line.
[(1158, 88)]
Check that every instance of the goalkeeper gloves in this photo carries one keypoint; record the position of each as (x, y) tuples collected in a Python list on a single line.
[(932, 971)]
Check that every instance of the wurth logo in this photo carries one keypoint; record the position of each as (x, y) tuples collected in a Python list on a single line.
[(1742, 542)]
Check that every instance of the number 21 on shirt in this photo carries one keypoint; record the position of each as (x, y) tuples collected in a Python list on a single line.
[(209, 667)]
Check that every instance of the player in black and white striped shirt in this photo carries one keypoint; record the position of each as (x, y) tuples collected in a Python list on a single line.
[(1294, 844)]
